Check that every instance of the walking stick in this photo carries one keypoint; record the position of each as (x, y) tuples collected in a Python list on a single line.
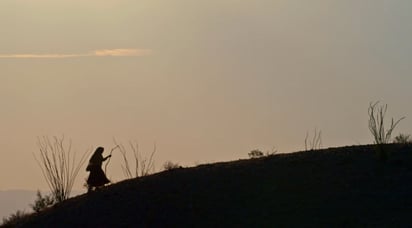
[(108, 161)]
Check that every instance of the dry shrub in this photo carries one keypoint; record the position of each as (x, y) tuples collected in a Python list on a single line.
[(141, 165), (59, 166)]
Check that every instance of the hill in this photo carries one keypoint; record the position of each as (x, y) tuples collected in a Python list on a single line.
[(335, 187)]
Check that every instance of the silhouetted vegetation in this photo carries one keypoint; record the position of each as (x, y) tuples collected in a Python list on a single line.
[(377, 125), (14, 219), (42, 202), (256, 153), (315, 143), (59, 166), (381, 135), (170, 165), (402, 139), (141, 166)]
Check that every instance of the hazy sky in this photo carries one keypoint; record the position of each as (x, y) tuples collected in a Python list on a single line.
[(206, 80)]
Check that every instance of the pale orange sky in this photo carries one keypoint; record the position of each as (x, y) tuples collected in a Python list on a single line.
[(206, 80)]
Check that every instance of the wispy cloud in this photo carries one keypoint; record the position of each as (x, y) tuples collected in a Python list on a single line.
[(122, 52), (95, 53)]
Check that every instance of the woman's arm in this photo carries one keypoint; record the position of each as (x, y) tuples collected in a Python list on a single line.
[(104, 159)]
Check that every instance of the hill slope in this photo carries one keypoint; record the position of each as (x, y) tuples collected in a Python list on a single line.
[(332, 187)]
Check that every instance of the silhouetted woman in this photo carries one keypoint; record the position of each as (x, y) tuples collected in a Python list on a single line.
[(97, 177)]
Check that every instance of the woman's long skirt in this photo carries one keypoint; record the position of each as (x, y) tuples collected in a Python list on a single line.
[(97, 177)]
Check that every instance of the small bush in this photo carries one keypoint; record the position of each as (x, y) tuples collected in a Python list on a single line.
[(255, 154), (42, 202), (14, 219), (170, 165), (402, 139)]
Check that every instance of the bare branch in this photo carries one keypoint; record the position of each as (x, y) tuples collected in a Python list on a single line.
[(376, 123), (316, 141), (143, 166), (58, 165)]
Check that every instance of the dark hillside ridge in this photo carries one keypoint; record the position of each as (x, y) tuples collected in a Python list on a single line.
[(336, 187)]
